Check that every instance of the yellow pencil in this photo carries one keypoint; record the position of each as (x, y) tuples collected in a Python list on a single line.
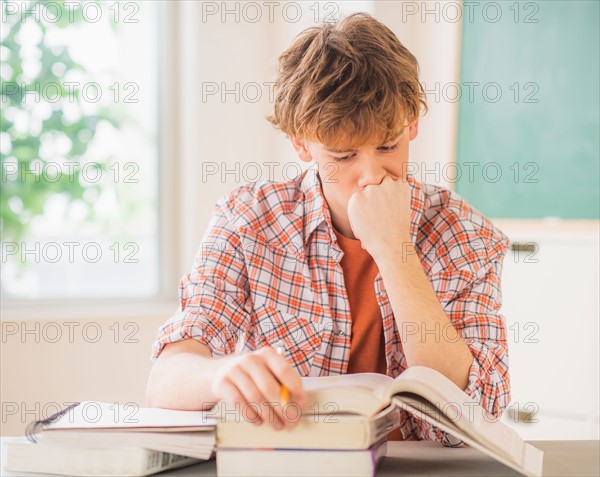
[(284, 394)]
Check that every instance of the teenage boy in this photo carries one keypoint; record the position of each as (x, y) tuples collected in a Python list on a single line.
[(354, 266)]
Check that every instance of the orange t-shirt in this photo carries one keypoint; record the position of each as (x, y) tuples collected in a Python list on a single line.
[(367, 350), (367, 345)]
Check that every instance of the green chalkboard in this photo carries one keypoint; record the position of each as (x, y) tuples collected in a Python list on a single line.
[(529, 111)]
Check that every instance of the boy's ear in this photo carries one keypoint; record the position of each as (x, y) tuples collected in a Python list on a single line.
[(300, 146), (413, 129)]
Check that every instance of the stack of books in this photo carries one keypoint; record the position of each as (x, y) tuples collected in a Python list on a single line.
[(105, 439), (342, 430), (320, 444)]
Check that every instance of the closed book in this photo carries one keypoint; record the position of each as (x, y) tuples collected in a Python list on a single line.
[(192, 444), (300, 462), (340, 431), (25, 456)]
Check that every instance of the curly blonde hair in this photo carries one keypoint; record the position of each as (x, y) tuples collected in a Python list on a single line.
[(346, 85)]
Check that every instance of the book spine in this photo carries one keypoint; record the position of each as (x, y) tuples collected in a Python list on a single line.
[(158, 461), (378, 452)]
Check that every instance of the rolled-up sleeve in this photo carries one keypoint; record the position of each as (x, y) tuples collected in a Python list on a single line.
[(475, 313), (214, 299), (472, 301)]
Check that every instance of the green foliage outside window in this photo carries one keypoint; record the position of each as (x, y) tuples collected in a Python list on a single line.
[(24, 193)]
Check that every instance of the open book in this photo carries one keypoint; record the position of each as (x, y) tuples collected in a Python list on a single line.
[(430, 396), (99, 424)]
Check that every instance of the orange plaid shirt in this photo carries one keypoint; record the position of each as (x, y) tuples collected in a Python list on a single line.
[(268, 269)]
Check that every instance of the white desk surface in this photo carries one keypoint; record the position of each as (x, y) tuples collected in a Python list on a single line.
[(426, 458)]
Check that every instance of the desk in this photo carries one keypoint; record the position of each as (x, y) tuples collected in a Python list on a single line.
[(426, 458)]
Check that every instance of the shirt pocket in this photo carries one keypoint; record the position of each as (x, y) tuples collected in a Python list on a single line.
[(298, 335)]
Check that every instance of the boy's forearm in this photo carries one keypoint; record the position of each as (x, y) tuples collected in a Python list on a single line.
[(182, 381), (428, 337)]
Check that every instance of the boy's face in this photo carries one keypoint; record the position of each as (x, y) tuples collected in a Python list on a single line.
[(343, 173)]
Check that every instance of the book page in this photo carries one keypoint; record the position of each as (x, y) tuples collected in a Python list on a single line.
[(464, 411), (378, 383), (363, 393), (101, 415), (426, 382), (528, 462), (431, 396)]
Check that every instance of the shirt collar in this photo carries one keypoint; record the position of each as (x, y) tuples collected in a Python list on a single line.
[(315, 206), (317, 210)]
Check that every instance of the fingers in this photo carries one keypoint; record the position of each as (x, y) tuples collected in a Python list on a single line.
[(285, 375), (231, 394), (255, 381), (256, 404), (270, 389)]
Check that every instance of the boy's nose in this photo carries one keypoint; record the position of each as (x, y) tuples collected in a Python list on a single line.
[(372, 173)]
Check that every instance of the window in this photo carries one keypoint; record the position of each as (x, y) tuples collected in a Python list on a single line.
[(79, 150)]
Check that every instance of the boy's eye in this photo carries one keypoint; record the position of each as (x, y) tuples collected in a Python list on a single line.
[(380, 148), (344, 158), (388, 148)]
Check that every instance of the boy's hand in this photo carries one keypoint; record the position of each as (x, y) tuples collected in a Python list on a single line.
[(254, 381), (380, 216)]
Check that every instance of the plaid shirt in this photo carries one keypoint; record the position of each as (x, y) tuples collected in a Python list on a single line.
[(269, 269)]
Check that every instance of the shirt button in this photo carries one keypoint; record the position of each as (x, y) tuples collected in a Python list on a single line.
[(341, 333)]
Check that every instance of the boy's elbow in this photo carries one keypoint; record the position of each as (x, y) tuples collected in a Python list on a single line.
[(153, 388), (158, 385)]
